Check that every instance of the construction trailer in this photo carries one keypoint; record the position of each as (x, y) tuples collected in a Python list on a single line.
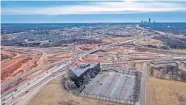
[(83, 73)]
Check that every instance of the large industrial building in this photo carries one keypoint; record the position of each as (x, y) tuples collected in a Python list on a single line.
[(81, 74)]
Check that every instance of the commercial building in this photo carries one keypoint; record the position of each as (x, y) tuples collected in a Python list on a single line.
[(149, 20), (81, 74)]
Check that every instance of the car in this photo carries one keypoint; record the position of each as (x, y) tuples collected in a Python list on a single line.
[(15, 90), (27, 91)]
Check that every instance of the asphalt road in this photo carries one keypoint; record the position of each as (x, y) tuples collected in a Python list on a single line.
[(143, 85)]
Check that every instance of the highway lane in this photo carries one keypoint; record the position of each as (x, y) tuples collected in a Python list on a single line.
[(24, 88), (143, 85), (32, 92)]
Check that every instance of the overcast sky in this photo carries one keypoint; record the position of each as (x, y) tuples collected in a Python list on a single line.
[(93, 11)]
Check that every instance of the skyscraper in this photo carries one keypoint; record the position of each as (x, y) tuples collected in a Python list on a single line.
[(149, 20)]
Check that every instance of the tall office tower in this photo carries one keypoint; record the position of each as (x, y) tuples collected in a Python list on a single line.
[(149, 20)]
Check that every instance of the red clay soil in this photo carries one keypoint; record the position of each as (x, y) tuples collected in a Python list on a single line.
[(87, 47), (24, 67), (14, 84), (10, 65), (8, 53), (68, 55), (79, 61), (18, 64), (93, 58)]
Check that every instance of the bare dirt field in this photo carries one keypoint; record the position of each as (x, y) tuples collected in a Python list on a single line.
[(111, 40), (54, 94), (18, 62), (179, 50), (150, 41), (165, 92), (8, 53), (87, 46), (51, 58)]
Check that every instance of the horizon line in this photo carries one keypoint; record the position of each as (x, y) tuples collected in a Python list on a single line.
[(83, 22)]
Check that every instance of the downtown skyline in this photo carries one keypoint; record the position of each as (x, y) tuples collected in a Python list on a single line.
[(92, 11)]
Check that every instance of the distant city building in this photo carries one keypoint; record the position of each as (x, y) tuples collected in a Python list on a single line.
[(142, 22), (149, 20), (81, 74)]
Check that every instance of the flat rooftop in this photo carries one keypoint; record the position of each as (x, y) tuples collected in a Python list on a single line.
[(80, 69)]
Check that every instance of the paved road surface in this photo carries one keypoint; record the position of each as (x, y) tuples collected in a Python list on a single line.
[(143, 85)]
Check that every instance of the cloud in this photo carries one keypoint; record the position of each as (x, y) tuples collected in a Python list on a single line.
[(124, 7)]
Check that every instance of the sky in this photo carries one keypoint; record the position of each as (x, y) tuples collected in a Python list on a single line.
[(92, 11)]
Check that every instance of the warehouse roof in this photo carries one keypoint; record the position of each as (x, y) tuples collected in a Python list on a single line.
[(80, 69)]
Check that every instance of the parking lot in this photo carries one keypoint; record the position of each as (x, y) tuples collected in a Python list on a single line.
[(111, 86)]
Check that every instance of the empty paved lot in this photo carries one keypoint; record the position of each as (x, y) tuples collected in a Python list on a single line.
[(111, 86)]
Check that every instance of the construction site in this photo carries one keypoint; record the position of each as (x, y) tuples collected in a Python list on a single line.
[(116, 81), (17, 62), (108, 71), (22, 64)]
